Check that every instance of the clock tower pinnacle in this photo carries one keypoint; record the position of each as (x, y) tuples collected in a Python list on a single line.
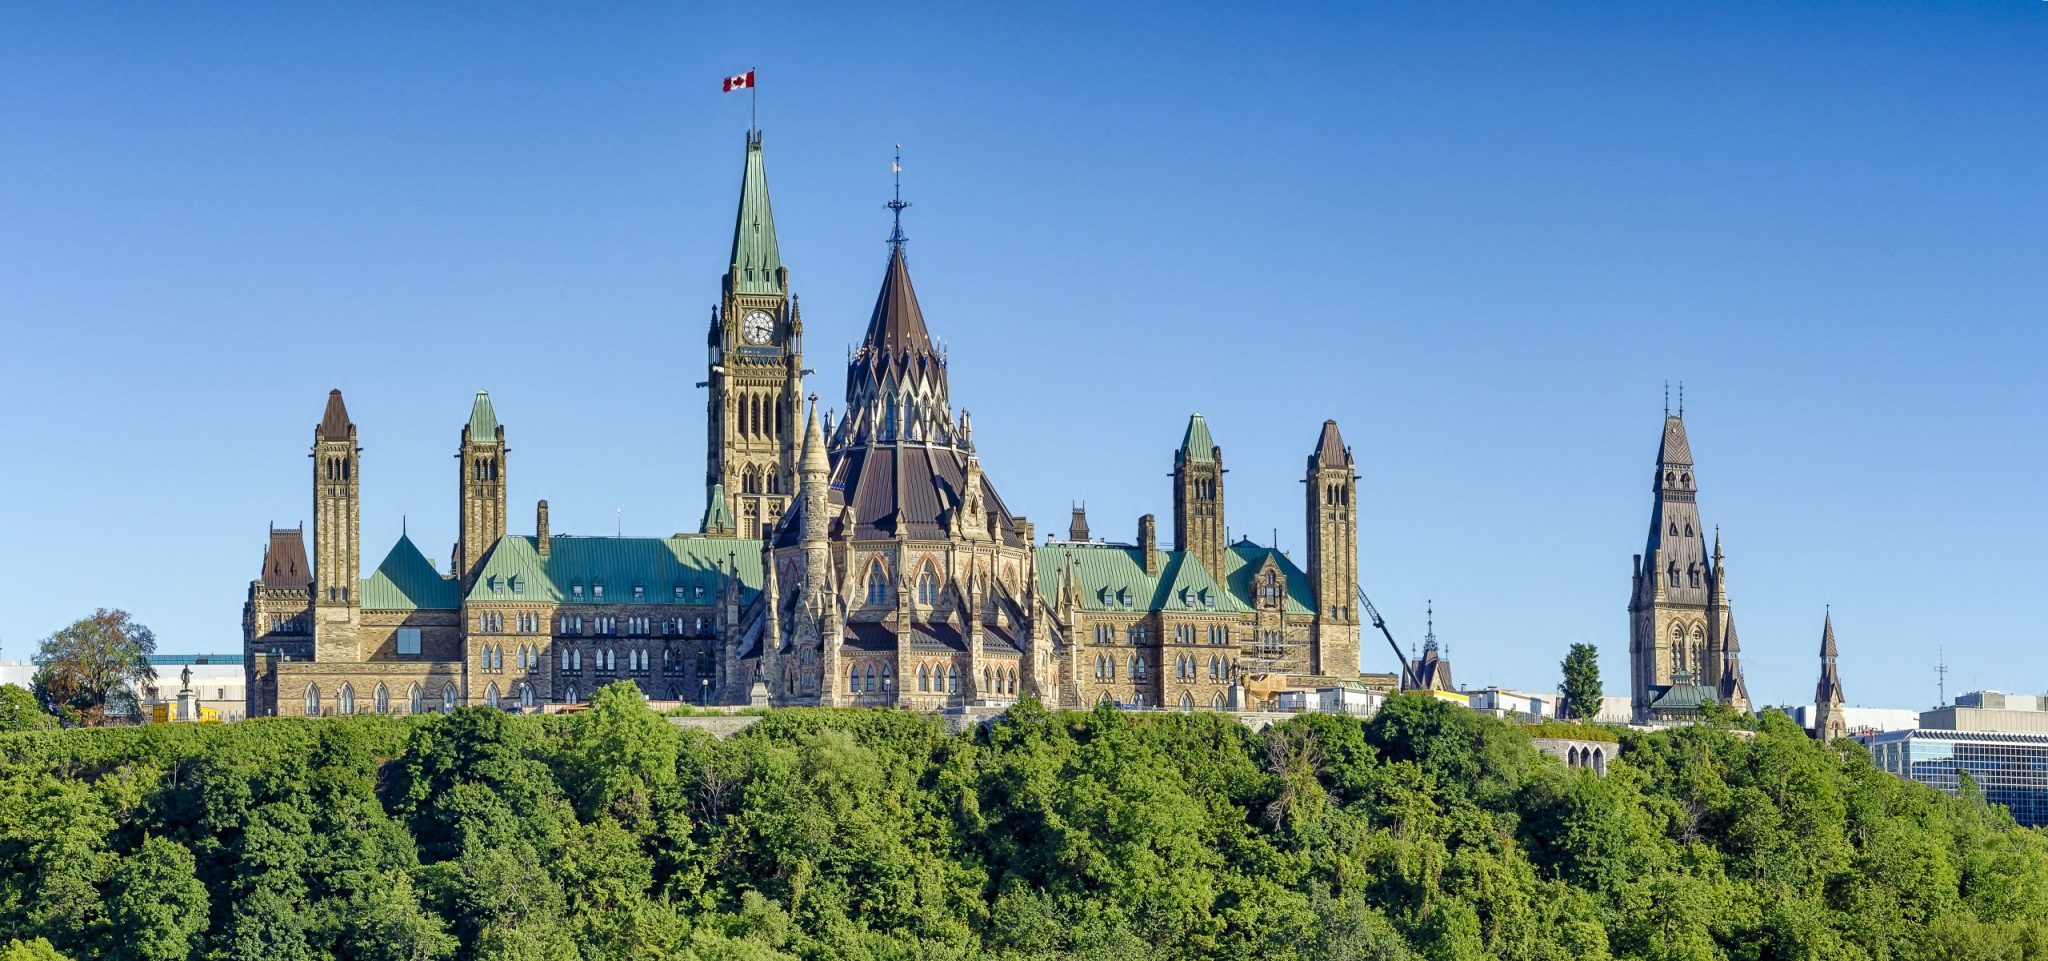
[(756, 368)]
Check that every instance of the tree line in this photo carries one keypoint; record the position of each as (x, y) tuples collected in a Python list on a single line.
[(1425, 832)]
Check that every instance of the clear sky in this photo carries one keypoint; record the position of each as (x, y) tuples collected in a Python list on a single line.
[(1480, 235)]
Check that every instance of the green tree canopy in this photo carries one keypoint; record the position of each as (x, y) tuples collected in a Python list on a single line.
[(20, 711), (93, 668), (1427, 831), (1581, 687)]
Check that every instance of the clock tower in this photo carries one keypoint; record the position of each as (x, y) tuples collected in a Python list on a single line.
[(756, 375)]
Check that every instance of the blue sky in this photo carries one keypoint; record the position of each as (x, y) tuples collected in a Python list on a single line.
[(1480, 235)]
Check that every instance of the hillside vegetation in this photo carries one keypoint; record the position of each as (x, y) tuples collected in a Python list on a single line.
[(1427, 832)]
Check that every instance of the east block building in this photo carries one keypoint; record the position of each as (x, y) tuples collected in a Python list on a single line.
[(863, 558)]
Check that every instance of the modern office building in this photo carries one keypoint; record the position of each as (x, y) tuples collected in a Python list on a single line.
[(2000, 740)]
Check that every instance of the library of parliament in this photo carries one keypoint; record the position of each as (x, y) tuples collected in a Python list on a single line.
[(862, 558)]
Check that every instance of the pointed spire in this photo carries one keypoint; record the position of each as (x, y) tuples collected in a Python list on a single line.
[(1675, 451), (756, 259), (1827, 634), (1330, 449), (1196, 446), (814, 459), (896, 329), (483, 421), (334, 422), (717, 513)]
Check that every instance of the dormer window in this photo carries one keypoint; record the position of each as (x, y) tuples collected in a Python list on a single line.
[(597, 591), (576, 591), (518, 586), (679, 592), (495, 585), (639, 593)]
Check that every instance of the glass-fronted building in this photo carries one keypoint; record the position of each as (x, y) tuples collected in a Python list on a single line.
[(2010, 767)]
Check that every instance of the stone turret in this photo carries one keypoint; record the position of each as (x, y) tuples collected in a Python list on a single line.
[(480, 488)]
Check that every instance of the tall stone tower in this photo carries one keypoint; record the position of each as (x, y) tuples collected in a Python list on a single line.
[(482, 488), (1679, 613), (1828, 723), (1333, 553), (1198, 526), (337, 533), (756, 368)]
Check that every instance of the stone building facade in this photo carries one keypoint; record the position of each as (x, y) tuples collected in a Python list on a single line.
[(1683, 649), (862, 558)]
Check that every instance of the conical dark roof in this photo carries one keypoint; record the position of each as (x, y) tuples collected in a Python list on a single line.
[(1676, 451), (1330, 451), (334, 422), (1827, 635), (896, 328)]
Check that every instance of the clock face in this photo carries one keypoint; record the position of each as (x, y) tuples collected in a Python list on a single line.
[(758, 326)]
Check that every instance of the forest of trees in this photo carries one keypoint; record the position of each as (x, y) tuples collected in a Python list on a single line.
[(1426, 832)]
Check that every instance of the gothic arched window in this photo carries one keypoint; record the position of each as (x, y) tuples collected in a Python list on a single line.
[(953, 679), (416, 700), (312, 700), (491, 695), (887, 676), (382, 699), (878, 585), (448, 696), (924, 678), (871, 679), (347, 699), (928, 586)]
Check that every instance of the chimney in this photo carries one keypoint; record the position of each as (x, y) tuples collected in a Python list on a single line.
[(1148, 544), (540, 527)]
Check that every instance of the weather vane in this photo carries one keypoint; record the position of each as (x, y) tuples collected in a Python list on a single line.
[(897, 204)]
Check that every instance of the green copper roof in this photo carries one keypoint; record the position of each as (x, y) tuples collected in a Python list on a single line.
[(717, 513), (407, 581), (515, 570), (1244, 559), (483, 421), (1197, 447), (755, 257), (1113, 579)]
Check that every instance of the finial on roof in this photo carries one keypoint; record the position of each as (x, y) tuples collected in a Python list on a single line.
[(1681, 399), (1667, 398), (897, 203)]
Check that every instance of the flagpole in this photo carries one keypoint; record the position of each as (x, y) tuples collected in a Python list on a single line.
[(753, 102)]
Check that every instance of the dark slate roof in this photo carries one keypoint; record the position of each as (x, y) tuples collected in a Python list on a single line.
[(334, 421), (913, 487), (870, 636), (896, 328), (284, 561), (1827, 635), (1675, 451), (1330, 449)]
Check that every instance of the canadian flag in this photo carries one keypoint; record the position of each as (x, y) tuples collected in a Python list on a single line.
[(740, 82)]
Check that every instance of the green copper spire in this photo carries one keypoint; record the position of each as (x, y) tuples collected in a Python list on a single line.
[(1197, 447), (717, 515), (756, 261), (483, 421)]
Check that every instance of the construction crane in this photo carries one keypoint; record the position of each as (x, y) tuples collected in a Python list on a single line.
[(1409, 681)]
